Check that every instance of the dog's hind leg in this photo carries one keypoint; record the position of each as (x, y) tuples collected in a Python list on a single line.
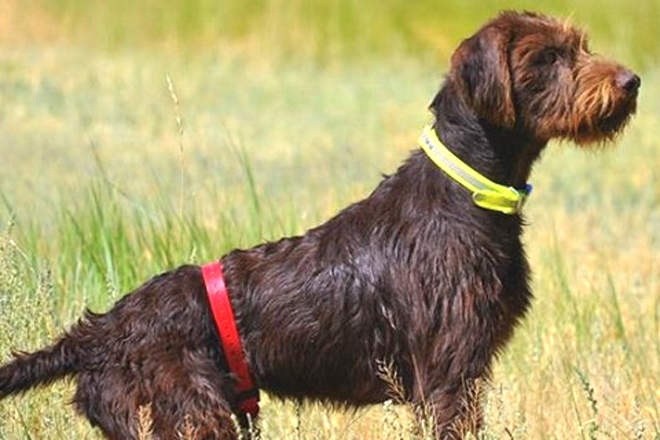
[(205, 417), (191, 402), (107, 399), (174, 395), (197, 410)]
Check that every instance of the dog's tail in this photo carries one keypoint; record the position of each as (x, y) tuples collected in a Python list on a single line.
[(42, 367)]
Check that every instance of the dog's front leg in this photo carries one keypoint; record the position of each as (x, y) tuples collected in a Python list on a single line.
[(451, 411)]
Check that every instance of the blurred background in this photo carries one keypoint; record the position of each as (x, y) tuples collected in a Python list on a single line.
[(325, 31), (137, 135)]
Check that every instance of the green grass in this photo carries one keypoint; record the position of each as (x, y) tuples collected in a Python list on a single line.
[(323, 30), (101, 188)]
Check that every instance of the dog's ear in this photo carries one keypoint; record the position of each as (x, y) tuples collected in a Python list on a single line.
[(480, 71)]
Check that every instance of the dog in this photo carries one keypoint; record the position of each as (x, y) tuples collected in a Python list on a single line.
[(427, 274)]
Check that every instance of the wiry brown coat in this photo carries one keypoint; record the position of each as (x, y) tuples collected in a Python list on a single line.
[(415, 275)]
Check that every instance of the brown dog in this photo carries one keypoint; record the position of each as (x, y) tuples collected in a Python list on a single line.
[(422, 274)]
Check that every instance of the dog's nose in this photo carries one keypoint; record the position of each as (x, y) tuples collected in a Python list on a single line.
[(628, 81)]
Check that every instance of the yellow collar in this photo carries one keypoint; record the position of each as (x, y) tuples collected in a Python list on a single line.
[(485, 193)]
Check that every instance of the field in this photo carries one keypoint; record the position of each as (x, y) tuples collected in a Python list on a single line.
[(129, 146)]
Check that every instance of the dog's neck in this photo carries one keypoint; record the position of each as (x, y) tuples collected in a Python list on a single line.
[(502, 155)]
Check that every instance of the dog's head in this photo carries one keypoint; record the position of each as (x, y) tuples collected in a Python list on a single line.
[(528, 72)]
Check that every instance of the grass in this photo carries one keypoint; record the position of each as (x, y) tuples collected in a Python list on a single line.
[(322, 30), (116, 165)]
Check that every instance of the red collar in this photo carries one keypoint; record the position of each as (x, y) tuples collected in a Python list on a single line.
[(247, 395)]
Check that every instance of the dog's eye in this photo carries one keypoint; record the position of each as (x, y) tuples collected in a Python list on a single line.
[(548, 57)]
